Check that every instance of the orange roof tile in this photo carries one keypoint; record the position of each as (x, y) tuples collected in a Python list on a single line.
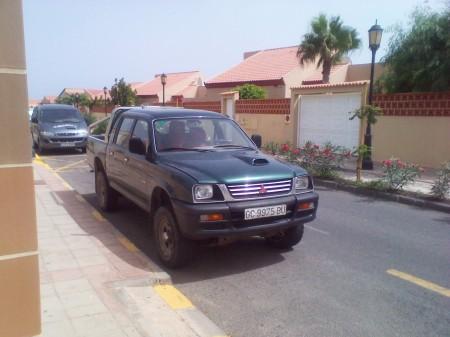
[(269, 65), (153, 87), (332, 85)]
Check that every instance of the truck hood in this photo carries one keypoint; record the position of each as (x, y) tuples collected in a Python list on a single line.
[(229, 167)]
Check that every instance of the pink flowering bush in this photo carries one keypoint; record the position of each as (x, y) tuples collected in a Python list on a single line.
[(398, 174), (322, 161)]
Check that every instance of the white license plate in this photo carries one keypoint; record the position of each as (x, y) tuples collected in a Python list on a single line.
[(264, 212), (67, 144)]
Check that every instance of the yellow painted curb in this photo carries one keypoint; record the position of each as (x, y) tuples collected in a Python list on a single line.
[(172, 296), (127, 244), (98, 216), (80, 198), (420, 282)]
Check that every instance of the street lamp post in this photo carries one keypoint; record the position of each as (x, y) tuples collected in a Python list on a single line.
[(104, 92), (163, 82), (77, 99), (375, 33)]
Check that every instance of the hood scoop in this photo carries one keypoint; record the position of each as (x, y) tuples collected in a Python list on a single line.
[(253, 161), (259, 161)]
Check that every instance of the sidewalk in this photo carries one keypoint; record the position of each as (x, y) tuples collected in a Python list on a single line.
[(422, 184), (95, 282)]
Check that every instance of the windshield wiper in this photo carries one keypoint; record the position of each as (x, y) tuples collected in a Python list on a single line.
[(184, 149), (235, 146)]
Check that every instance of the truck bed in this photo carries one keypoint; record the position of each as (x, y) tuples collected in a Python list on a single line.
[(96, 147)]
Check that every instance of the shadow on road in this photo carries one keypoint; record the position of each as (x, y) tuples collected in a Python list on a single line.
[(59, 152), (209, 262)]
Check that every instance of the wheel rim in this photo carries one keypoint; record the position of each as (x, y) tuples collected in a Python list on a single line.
[(101, 189), (165, 238)]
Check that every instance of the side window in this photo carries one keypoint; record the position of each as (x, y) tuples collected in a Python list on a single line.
[(34, 114), (141, 132), (123, 135)]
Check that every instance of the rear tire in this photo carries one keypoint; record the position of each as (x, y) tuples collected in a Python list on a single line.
[(106, 195), (39, 147), (286, 239), (174, 250)]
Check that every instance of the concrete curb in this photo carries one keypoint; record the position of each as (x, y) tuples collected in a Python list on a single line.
[(408, 200)]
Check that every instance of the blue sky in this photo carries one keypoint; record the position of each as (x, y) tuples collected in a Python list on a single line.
[(87, 43)]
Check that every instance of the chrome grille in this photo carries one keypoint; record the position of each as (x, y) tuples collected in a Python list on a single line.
[(263, 189)]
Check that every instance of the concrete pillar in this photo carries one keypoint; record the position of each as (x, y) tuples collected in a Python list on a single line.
[(19, 271), (228, 103)]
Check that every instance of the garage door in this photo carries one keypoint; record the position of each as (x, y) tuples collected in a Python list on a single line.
[(325, 118)]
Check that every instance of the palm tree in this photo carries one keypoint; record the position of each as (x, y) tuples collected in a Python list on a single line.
[(329, 40)]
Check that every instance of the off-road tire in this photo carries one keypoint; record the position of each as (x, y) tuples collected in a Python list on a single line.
[(287, 238), (173, 249)]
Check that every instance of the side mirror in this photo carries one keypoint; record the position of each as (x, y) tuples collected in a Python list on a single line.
[(257, 139), (137, 146), (34, 120)]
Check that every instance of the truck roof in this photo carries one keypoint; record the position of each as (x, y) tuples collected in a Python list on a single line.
[(169, 112)]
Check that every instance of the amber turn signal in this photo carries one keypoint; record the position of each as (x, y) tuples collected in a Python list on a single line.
[(211, 217), (305, 205)]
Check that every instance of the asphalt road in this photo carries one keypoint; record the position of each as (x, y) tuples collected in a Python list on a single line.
[(364, 268)]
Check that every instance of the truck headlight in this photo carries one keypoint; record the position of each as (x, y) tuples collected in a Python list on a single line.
[(82, 132), (301, 183), (203, 192), (47, 133)]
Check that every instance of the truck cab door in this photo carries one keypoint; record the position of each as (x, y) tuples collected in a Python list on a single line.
[(116, 156), (139, 167)]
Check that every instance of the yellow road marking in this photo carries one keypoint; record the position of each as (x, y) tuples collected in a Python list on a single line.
[(173, 297), (98, 216), (40, 161), (420, 282), (65, 167), (127, 244)]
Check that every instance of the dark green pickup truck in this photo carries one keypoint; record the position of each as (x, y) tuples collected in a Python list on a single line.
[(201, 178)]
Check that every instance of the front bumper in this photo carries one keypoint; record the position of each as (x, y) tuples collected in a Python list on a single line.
[(63, 142), (234, 225)]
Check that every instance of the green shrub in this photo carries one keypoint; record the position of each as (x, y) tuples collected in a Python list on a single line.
[(377, 185), (250, 91), (100, 128), (441, 186), (89, 118), (398, 174)]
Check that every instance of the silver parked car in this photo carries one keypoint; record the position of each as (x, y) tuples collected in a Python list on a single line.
[(55, 126)]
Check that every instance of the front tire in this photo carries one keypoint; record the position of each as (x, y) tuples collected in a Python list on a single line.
[(174, 250), (286, 239), (106, 196)]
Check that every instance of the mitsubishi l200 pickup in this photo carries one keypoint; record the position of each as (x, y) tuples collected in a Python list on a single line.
[(201, 178)]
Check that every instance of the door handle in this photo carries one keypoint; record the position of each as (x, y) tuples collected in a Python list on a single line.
[(125, 160)]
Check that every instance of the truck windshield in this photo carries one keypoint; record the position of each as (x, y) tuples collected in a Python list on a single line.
[(61, 116), (184, 134)]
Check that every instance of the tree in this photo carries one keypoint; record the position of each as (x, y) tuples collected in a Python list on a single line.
[(77, 100), (329, 40), (122, 94), (418, 58), (250, 91), (370, 114)]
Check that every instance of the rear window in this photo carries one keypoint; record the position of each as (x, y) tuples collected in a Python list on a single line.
[(61, 116)]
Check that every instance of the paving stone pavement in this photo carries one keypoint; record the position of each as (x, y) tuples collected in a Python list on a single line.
[(93, 282)]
